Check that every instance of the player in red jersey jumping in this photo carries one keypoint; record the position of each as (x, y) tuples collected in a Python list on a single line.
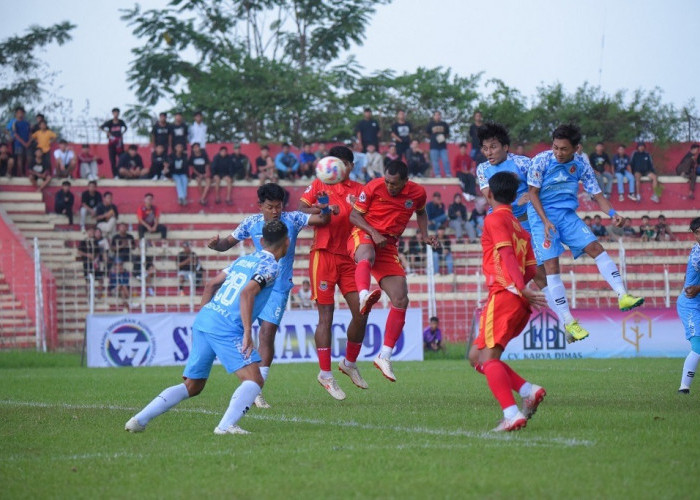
[(380, 216), (509, 265), (330, 265)]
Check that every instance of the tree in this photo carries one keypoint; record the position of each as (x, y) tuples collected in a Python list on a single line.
[(25, 78)]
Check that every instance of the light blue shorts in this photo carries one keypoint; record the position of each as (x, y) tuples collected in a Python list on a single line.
[(207, 346), (690, 317), (571, 231), (274, 308)]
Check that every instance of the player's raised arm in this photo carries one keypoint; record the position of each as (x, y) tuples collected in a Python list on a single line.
[(221, 245), (323, 216), (357, 219), (211, 287)]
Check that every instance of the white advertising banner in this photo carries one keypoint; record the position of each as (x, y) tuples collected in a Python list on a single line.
[(165, 339)]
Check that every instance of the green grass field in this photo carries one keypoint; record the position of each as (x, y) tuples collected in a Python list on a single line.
[(608, 429)]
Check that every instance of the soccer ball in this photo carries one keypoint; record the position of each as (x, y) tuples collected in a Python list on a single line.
[(331, 170)]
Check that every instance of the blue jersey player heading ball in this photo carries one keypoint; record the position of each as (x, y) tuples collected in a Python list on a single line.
[(270, 202), (553, 186), (223, 329), (688, 307)]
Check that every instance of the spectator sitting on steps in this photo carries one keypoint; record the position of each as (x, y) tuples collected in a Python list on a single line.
[(130, 164), (106, 215), (663, 231), (687, 168), (38, 170), (303, 296), (149, 217), (432, 336), (64, 202), (646, 231)]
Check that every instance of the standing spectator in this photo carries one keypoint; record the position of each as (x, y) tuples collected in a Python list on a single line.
[(7, 162), (130, 164), (436, 212), (188, 268), (119, 282), (390, 155), (149, 218), (89, 200), (415, 160), (64, 159), (443, 254), (201, 171), (375, 163), (687, 168), (303, 296), (642, 165), (520, 150), (198, 131), (64, 202), (88, 163), (479, 214), (475, 152), (439, 131), (367, 131), (321, 152), (599, 229), (646, 231), (401, 134), (432, 336), (160, 133), (178, 133), (457, 214), (359, 164), (122, 245), (222, 168), (464, 170), (38, 170), (265, 166), (307, 160), (44, 138), (241, 163), (115, 129), (106, 215), (623, 172), (286, 163), (21, 137), (663, 231), (91, 256), (600, 161), (160, 164), (179, 170)]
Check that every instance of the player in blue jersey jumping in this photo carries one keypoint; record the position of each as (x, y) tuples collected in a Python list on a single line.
[(223, 329), (553, 187), (270, 202), (688, 307)]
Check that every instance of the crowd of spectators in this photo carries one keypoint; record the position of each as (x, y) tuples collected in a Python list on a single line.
[(661, 231)]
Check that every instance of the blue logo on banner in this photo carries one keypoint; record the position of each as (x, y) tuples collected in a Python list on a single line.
[(128, 343)]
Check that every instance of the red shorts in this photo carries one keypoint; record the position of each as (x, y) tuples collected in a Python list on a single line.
[(502, 319), (386, 260), (328, 270)]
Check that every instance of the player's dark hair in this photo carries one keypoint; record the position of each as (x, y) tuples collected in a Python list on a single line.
[(270, 192), (492, 130), (695, 224), (343, 153), (397, 167), (113, 110), (504, 187), (274, 231), (570, 132), (434, 318)]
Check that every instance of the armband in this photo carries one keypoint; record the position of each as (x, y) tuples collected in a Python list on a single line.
[(612, 213), (326, 210), (260, 280), (323, 199)]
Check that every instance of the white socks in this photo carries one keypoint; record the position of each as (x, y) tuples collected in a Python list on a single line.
[(162, 403), (511, 412), (550, 302), (689, 368), (264, 371), (558, 294), (385, 352), (609, 270), (525, 390), (325, 374), (241, 401)]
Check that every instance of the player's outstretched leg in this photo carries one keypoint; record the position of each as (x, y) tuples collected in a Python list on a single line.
[(356, 335), (364, 258), (690, 365), (574, 331), (496, 373), (612, 275), (267, 332), (242, 400), (163, 402)]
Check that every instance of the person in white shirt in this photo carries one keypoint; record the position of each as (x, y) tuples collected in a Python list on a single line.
[(65, 159), (198, 131), (304, 295)]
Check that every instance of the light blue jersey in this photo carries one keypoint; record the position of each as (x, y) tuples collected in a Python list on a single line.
[(252, 226), (558, 182), (518, 165), (689, 309)]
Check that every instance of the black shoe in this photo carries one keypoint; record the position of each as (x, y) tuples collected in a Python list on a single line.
[(683, 391)]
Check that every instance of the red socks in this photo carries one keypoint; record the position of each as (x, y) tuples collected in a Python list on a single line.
[(394, 326), (499, 382), (362, 275), (324, 358), (352, 351), (516, 381)]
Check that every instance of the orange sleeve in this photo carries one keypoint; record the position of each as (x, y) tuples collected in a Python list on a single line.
[(499, 230), (309, 196), (365, 199)]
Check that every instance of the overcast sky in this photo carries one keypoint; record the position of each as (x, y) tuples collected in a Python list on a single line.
[(525, 43)]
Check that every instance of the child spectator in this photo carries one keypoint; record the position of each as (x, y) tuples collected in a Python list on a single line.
[(44, 138), (663, 231), (87, 163), (89, 200), (375, 163), (391, 155), (628, 231), (38, 170), (599, 229), (443, 254), (304, 296), (119, 282), (7, 162), (432, 336), (646, 231), (64, 159), (64, 202)]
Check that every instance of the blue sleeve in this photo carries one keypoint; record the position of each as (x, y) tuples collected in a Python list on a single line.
[(536, 172), (242, 232), (299, 220), (590, 183), (694, 260), (266, 271), (278, 163), (481, 176)]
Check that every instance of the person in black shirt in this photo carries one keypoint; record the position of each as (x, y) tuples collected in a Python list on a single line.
[(188, 267), (415, 159), (642, 165), (179, 170), (600, 161), (265, 166), (367, 131), (64, 202), (439, 131), (131, 164), (159, 164), (38, 169), (88, 202), (222, 168), (106, 215), (401, 134), (160, 133), (199, 162), (115, 129), (90, 254), (687, 168), (178, 132), (457, 214), (241, 163), (475, 152), (443, 253), (122, 244)]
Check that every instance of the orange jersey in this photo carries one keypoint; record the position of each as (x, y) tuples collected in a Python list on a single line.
[(390, 214), (502, 229), (333, 236)]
